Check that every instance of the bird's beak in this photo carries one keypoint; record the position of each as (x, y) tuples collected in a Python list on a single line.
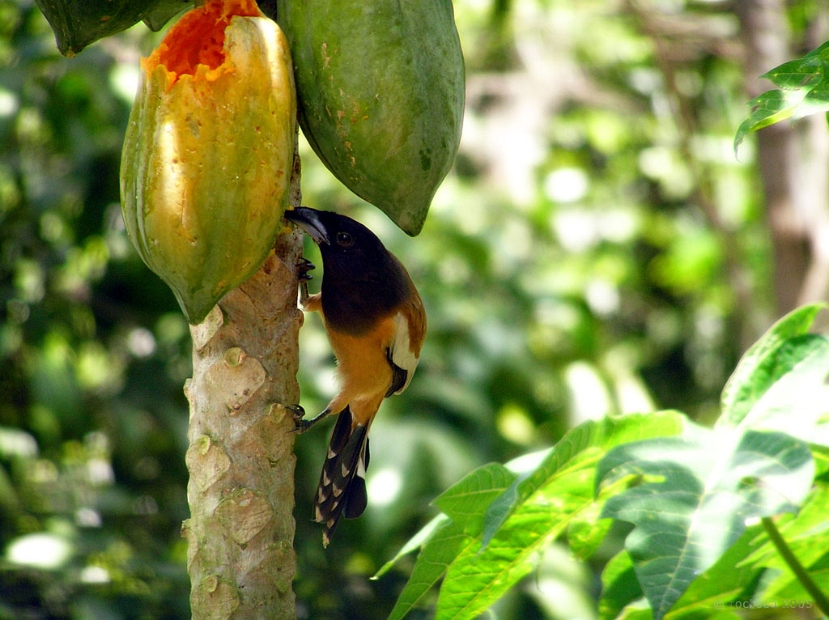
[(308, 220)]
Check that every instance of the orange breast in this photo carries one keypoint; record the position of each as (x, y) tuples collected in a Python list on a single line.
[(363, 369)]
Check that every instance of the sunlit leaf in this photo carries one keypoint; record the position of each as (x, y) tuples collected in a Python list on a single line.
[(413, 544), (465, 503), (582, 447), (726, 581), (499, 522), (766, 362), (436, 556), (542, 506), (807, 535), (587, 530), (620, 587), (696, 494), (804, 90), (798, 402)]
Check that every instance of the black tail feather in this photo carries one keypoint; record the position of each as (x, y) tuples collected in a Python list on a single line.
[(342, 485)]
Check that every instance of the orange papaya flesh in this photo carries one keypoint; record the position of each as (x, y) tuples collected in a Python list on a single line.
[(198, 39)]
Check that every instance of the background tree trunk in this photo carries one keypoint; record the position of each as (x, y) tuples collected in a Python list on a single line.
[(241, 490), (793, 160)]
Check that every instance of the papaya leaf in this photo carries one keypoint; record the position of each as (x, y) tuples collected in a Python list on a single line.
[(501, 507), (587, 530), (476, 578), (787, 591), (695, 495), (466, 500), (807, 535), (159, 12), (726, 581), (77, 23), (415, 542), (804, 90), (797, 403), (465, 503), (704, 600), (498, 517), (620, 587), (546, 501), (636, 611), (581, 447), (764, 363), (432, 562)]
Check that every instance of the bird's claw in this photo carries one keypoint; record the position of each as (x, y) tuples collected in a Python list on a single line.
[(304, 266), (300, 424)]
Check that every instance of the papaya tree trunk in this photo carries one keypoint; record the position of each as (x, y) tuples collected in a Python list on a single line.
[(240, 457)]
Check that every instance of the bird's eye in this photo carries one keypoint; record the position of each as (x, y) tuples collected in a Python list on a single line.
[(344, 240)]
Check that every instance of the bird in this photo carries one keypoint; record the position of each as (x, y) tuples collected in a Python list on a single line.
[(376, 324)]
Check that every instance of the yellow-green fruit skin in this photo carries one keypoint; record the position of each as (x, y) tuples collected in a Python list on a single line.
[(206, 166), (381, 95)]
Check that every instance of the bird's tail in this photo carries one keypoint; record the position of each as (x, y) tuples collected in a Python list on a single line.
[(342, 486)]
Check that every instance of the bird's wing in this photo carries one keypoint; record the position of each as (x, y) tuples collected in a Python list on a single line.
[(404, 351)]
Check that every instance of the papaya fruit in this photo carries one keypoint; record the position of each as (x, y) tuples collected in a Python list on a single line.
[(380, 87), (208, 151), (78, 23)]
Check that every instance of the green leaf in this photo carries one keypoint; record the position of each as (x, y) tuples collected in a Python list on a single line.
[(765, 363), (729, 579), (477, 578), (465, 503), (804, 90), (582, 446), (415, 542), (802, 72), (77, 23), (435, 557), (587, 530), (159, 12), (798, 402), (498, 521), (807, 535), (620, 587), (695, 496), (787, 591), (501, 507), (544, 503)]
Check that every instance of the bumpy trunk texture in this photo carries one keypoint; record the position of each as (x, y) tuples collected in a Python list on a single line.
[(241, 491)]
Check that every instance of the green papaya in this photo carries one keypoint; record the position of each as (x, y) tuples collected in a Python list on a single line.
[(380, 89), (208, 151)]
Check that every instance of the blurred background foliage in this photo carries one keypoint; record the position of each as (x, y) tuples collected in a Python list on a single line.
[(598, 248)]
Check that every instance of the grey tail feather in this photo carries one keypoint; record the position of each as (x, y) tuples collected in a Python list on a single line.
[(342, 485)]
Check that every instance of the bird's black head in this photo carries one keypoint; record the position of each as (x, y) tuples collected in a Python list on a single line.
[(346, 245), (361, 279)]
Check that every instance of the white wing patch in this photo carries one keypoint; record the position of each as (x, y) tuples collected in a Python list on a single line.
[(401, 351)]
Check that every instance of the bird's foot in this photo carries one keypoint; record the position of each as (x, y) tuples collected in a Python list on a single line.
[(298, 412), (303, 267), (301, 424)]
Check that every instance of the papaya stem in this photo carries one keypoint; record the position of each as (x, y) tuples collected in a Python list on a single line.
[(795, 565)]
